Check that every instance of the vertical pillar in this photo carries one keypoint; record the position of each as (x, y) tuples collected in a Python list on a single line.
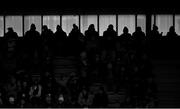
[(117, 24), (148, 23), (98, 23), (4, 17)]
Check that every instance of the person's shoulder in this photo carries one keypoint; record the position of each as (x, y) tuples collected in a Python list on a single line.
[(27, 31), (105, 32), (86, 31)]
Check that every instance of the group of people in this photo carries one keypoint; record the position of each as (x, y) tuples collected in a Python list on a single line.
[(116, 62)]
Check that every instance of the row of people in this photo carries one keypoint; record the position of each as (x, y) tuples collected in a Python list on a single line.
[(22, 91), (115, 63), (91, 32)]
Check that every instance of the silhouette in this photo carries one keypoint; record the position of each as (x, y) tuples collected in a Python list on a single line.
[(35, 92), (75, 45), (126, 35), (110, 33), (60, 34), (46, 33), (74, 34), (171, 34), (32, 33), (138, 34), (11, 34), (91, 33), (154, 34), (94, 70)]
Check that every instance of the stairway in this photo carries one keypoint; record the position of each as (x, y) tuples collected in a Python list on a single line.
[(168, 81), (115, 99), (63, 68)]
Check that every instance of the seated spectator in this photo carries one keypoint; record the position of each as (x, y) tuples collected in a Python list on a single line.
[(85, 99), (100, 98), (35, 93), (49, 101), (12, 102), (11, 87)]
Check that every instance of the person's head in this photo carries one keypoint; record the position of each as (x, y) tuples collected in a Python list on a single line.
[(10, 29), (48, 98), (125, 30), (155, 28), (138, 29), (110, 27), (91, 27), (75, 27), (61, 98), (11, 99), (33, 27), (172, 29), (58, 27), (44, 28)]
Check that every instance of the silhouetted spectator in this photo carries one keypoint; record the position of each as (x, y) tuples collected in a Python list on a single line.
[(109, 37), (46, 34), (171, 34), (126, 35), (110, 33), (154, 34), (60, 34), (138, 34), (75, 33), (75, 44), (32, 33), (91, 33), (11, 34), (32, 40)]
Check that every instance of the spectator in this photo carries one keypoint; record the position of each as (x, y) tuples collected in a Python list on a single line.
[(100, 99), (91, 33)]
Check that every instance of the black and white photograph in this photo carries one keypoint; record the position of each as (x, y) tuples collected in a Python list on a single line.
[(59, 56)]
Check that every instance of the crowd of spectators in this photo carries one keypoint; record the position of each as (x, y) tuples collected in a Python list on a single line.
[(116, 62)]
